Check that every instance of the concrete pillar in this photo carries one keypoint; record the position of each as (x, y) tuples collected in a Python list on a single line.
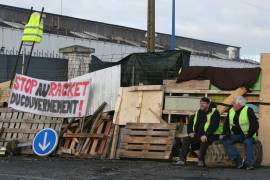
[(264, 119), (78, 59)]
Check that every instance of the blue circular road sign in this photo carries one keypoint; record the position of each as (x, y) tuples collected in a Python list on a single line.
[(45, 142)]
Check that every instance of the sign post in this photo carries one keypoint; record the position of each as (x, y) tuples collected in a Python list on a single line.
[(45, 142)]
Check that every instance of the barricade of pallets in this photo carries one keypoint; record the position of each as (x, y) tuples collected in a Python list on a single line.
[(87, 137)]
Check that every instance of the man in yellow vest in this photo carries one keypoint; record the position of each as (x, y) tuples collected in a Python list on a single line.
[(241, 125), (203, 128)]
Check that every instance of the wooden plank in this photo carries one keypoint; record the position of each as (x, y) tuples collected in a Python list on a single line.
[(145, 88), (127, 110), (207, 92), (6, 110), (171, 85), (238, 92), (150, 126), (93, 150), (160, 148), (147, 140), (84, 135), (153, 100), (12, 124), (130, 132), (139, 106), (179, 112), (24, 131), (108, 142), (116, 122), (4, 91), (264, 130), (176, 103), (103, 142), (145, 155)]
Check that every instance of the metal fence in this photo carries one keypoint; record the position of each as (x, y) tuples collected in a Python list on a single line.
[(39, 67)]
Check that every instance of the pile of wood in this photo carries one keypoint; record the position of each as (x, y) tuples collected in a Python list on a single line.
[(88, 137), (19, 129)]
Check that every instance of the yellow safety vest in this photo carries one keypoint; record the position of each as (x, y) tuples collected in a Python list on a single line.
[(33, 30), (243, 120), (208, 121)]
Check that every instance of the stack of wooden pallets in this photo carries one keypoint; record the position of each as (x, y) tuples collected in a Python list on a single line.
[(147, 140), (22, 127), (88, 137)]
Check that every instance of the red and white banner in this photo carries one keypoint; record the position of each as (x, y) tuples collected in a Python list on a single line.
[(50, 98)]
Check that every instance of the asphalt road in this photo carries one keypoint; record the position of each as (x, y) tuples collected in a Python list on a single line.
[(29, 168)]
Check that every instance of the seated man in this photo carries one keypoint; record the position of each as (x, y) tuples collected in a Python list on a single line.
[(203, 128), (241, 125)]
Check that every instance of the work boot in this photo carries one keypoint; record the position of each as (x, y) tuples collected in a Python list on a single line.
[(239, 163), (180, 163), (250, 167), (200, 163)]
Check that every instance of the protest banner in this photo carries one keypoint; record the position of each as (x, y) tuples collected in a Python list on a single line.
[(50, 98)]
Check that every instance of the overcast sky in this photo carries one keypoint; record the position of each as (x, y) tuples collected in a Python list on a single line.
[(244, 23)]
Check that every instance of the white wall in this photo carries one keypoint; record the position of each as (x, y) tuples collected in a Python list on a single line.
[(105, 86), (196, 60), (10, 38)]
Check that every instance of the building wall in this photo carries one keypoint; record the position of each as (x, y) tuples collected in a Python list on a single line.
[(10, 38), (196, 60), (63, 24)]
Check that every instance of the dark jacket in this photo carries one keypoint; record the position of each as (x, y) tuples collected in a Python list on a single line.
[(253, 123), (199, 126)]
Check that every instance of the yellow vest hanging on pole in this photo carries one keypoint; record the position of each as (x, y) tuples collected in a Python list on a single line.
[(33, 30)]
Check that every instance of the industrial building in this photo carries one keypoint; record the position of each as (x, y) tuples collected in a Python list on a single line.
[(110, 42)]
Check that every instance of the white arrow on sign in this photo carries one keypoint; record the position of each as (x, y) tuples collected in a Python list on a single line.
[(44, 146)]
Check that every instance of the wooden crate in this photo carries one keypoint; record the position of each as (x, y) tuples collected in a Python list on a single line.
[(147, 141), (23, 127)]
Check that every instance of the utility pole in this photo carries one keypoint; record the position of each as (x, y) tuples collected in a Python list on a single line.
[(173, 26), (151, 26)]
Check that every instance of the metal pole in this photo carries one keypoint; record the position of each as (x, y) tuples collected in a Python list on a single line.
[(23, 60), (19, 53), (173, 26), (151, 26)]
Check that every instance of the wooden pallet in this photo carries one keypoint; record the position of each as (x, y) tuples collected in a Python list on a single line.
[(147, 141), (23, 127), (91, 142), (91, 148)]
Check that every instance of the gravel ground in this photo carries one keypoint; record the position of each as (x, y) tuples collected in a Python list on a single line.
[(77, 169)]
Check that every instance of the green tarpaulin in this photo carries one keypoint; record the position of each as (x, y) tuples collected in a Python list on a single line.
[(147, 68)]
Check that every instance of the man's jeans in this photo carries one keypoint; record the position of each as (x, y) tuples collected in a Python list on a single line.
[(233, 153), (196, 143)]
